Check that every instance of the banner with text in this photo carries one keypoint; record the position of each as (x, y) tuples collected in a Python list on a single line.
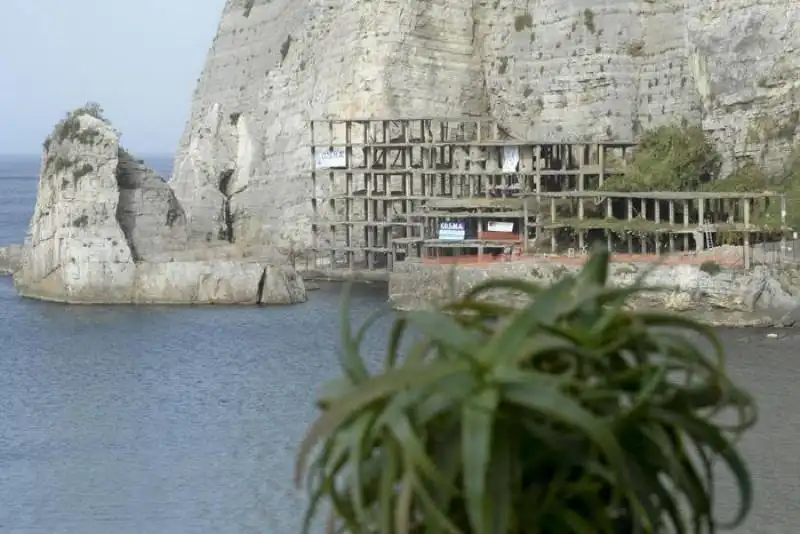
[(510, 158), (452, 231), (497, 226), (331, 159)]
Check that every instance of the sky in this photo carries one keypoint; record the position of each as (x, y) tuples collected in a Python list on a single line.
[(139, 59)]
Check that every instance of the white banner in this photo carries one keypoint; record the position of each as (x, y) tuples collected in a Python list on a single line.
[(497, 226), (510, 158), (330, 159), (452, 231)]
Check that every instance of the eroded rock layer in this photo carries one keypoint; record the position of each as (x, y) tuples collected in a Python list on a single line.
[(545, 69)]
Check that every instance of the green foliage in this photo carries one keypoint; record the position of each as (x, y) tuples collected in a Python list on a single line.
[(710, 267), (636, 48), (58, 163), (567, 414), (669, 158), (767, 128), (248, 6), (70, 128), (81, 221), (788, 182), (523, 22), (82, 171), (749, 178), (588, 20)]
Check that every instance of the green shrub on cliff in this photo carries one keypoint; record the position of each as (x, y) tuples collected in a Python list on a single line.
[(749, 178), (248, 7), (569, 414), (69, 128), (788, 182), (669, 158)]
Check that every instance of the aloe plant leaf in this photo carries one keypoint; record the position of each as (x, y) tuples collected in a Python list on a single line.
[(444, 331), (389, 477), (349, 356), (414, 451), (525, 287), (402, 513), (711, 437), (375, 388), (520, 408), (536, 392), (476, 443), (358, 444)]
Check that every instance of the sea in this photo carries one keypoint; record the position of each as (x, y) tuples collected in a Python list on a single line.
[(149, 420)]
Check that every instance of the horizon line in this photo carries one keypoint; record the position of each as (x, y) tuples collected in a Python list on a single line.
[(39, 154)]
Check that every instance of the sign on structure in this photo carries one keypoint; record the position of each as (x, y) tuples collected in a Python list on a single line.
[(331, 159), (510, 158), (452, 231), (497, 226)]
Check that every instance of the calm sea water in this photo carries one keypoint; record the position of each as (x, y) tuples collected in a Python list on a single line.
[(140, 420), (154, 419)]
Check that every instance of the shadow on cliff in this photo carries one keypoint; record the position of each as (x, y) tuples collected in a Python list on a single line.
[(148, 212)]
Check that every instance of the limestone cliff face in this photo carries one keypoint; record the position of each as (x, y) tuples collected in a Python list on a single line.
[(106, 229), (545, 69)]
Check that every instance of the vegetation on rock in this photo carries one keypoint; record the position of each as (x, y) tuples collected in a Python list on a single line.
[(788, 182), (81, 221), (69, 128), (749, 178), (588, 20), (523, 22), (568, 414), (58, 163), (710, 267), (669, 158), (82, 171), (679, 158), (248, 7)]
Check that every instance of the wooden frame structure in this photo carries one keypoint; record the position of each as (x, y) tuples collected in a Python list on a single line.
[(381, 187), (379, 184), (666, 214)]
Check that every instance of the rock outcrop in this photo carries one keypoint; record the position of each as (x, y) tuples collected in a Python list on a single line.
[(546, 70), (10, 256), (763, 296), (106, 229)]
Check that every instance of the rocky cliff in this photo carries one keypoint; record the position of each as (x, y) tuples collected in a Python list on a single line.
[(106, 229), (545, 69)]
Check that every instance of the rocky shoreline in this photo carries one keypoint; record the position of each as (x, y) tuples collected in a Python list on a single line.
[(760, 297)]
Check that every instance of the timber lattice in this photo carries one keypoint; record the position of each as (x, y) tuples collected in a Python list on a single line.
[(399, 178)]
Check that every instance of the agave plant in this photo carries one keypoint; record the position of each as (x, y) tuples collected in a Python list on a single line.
[(567, 414)]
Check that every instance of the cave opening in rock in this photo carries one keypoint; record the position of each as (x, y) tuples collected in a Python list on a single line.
[(226, 231)]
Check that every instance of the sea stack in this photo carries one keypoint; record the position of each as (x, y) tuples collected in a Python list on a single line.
[(107, 229)]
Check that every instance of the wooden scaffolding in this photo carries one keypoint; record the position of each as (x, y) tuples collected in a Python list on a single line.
[(380, 186), (673, 221)]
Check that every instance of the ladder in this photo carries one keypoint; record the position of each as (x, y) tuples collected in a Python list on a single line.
[(708, 236)]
